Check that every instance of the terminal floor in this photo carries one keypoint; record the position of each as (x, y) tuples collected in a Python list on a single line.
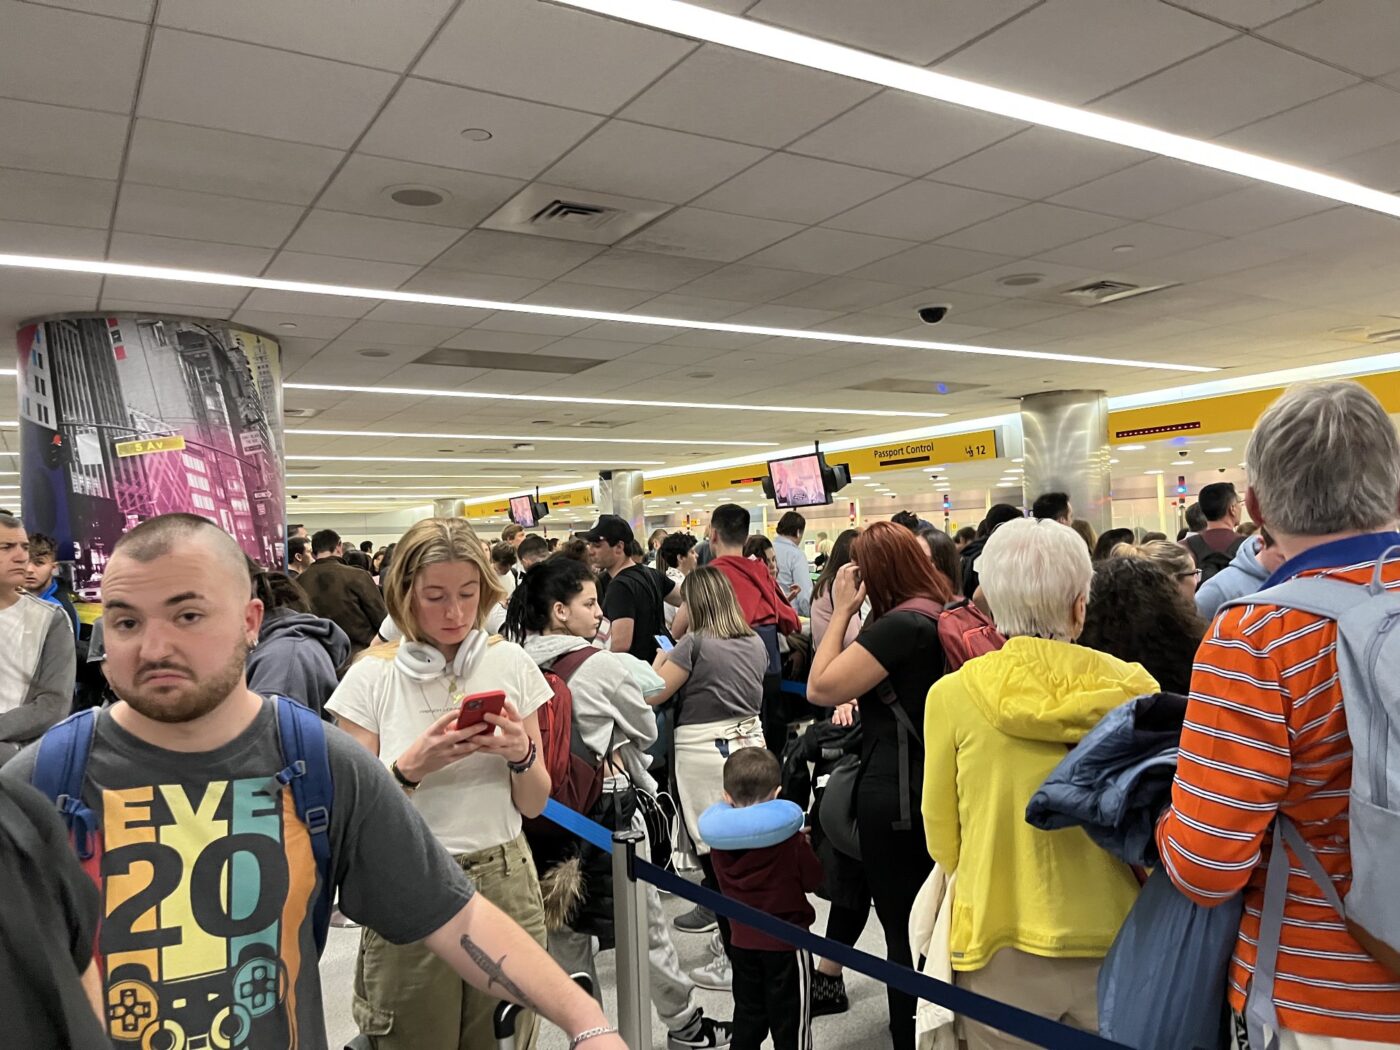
[(863, 1026)]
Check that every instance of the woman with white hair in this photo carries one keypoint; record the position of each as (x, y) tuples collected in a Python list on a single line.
[(1034, 911)]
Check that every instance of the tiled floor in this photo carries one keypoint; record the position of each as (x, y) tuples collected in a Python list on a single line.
[(862, 1027)]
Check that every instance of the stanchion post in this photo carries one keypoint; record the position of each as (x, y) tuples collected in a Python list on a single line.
[(630, 932)]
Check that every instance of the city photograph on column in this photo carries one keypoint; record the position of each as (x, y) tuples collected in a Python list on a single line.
[(123, 418)]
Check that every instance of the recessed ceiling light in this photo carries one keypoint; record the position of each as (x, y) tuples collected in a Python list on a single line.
[(590, 440), (1123, 249), (1186, 463), (873, 485), (1014, 470), (1007, 484), (417, 196), (476, 134), (860, 477), (375, 353), (1130, 448), (1154, 472), (226, 280), (287, 324), (1223, 448), (1020, 280), (700, 23)]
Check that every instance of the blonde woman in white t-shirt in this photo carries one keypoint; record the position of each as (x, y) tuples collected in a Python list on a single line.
[(472, 786)]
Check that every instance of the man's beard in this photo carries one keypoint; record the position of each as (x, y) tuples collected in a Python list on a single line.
[(195, 700)]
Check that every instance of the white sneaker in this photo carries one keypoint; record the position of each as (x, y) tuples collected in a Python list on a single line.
[(716, 975)]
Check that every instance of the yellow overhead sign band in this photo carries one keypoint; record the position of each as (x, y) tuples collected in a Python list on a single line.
[(145, 446)]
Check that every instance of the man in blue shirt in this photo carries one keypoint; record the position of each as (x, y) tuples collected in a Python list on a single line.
[(794, 574)]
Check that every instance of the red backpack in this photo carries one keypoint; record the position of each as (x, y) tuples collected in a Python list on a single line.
[(963, 629), (575, 775)]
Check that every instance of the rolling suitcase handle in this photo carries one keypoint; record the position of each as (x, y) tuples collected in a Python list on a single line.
[(503, 1019)]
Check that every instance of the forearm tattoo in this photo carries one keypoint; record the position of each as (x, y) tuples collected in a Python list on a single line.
[(495, 971)]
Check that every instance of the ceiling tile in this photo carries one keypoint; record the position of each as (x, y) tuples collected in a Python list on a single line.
[(1148, 189), (923, 211), (428, 315), (370, 333), (65, 200), (745, 283), (216, 83), (33, 238), (306, 326), (204, 296), (1213, 260), (1348, 122), (1378, 168), (494, 287), (549, 54), (1147, 241), (1237, 83), (1244, 211), (112, 303), (537, 324), (772, 315), (366, 237), (929, 266), (264, 301), (906, 134), (54, 138), (843, 294), (424, 122), (713, 235), (828, 251), (587, 297), (499, 342), (713, 92), (204, 216), (692, 307), (382, 35), (1340, 229), (362, 186), (515, 255), (69, 59), (1037, 163), (797, 189), (328, 269), (1074, 50), (1031, 230), (1363, 35), (917, 31), (189, 255), (641, 161), (183, 157), (131, 10), (1245, 13), (989, 281), (641, 270)]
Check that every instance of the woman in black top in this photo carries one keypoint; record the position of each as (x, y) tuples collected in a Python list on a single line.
[(896, 658)]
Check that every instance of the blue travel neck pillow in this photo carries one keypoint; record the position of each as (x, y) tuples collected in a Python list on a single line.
[(727, 827)]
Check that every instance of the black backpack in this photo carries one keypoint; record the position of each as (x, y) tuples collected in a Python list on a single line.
[(1209, 560)]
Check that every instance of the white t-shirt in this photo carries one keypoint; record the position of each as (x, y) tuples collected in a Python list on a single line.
[(468, 805)]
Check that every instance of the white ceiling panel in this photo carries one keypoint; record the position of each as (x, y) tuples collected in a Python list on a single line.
[(1038, 163), (215, 83), (923, 211), (204, 216), (187, 254), (905, 134), (549, 54), (374, 332), (114, 303), (184, 157), (534, 324), (364, 184), (131, 10), (34, 238), (69, 59), (1340, 230), (844, 294), (798, 189), (917, 31), (32, 282), (772, 315), (1244, 211), (1241, 81), (644, 271), (929, 265), (1340, 125), (38, 137), (1074, 50), (637, 160), (515, 255), (1149, 189), (587, 297), (828, 251), (1052, 276), (64, 200), (360, 273), (263, 301), (425, 315), (713, 235), (495, 287), (1211, 261), (326, 232), (383, 35), (200, 296), (743, 282), (424, 122), (1144, 240), (1031, 230), (303, 326), (1363, 35), (498, 342), (715, 91), (691, 307), (1245, 13), (1378, 168)]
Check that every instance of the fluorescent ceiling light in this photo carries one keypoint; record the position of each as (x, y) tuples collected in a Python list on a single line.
[(699, 23), (395, 476), (1357, 366), (459, 459), (1186, 463), (507, 437), (371, 497), (1154, 472), (1224, 448), (229, 280), (446, 490), (1130, 448)]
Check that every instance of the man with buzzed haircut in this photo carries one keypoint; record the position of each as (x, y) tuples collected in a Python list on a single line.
[(208, 880)]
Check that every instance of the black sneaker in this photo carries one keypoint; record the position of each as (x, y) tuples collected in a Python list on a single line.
[(697, 920), (828, 995), (702, 1033)]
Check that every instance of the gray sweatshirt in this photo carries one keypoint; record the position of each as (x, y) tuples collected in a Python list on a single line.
[(37, 670)]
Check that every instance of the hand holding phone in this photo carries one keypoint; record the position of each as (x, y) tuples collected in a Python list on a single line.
[(476, 707), (665, 643)]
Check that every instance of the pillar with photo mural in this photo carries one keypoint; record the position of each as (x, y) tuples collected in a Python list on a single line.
[(123, 418)]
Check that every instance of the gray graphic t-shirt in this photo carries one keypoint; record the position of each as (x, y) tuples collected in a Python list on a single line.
[(208, 884)]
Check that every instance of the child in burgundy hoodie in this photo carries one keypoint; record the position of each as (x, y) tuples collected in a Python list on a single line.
[(762, 858)]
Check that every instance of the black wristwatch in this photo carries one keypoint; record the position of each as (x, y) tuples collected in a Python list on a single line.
[(403, 780)]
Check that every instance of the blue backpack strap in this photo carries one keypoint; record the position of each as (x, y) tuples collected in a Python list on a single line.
[(302, 734), (60, 767)]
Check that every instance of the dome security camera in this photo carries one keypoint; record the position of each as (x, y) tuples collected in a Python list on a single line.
[(933, 314), (1183, 453)]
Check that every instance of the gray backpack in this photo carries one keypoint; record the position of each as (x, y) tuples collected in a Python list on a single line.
[(1368, 660)]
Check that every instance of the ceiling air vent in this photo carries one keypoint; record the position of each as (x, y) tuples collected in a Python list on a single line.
[(1096, 293), (457, 358), (300, 413), (560, 212), (574, 213)]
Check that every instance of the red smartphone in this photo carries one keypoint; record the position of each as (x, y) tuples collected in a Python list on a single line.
[(476, 707)]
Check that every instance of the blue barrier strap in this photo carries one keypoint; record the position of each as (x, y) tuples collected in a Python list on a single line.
[(1009, 1019), (800, 688)]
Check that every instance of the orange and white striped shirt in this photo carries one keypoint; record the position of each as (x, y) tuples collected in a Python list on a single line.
[(1266, 732)]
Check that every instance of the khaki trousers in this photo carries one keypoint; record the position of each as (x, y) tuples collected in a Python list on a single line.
[(1064, 990)]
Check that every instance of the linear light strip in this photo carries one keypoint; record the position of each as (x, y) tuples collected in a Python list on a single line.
[(470, 459), (166, 273), (785, 45), (519, 437), (439, 477)]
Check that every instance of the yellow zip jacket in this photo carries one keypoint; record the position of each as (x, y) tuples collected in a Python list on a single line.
[(992, 733)]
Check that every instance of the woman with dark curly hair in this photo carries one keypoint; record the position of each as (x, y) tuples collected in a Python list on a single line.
[(1138, 613)]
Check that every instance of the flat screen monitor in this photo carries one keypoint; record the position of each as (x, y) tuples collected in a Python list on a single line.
[(798, 482), (522, 511)]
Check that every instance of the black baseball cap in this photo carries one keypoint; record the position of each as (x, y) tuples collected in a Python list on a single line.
[(611, 530)]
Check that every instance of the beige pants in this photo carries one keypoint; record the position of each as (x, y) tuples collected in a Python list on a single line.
[(406, 998), (1065, 990)]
